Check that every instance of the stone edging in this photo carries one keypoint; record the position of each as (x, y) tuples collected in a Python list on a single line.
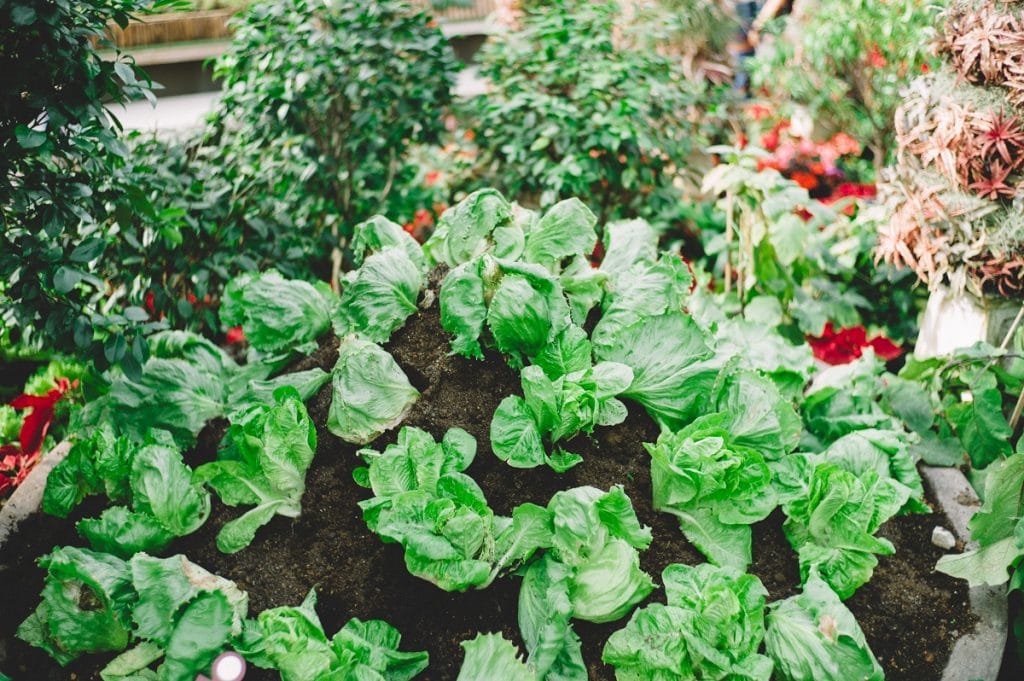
[(978, 654), (29, 496)]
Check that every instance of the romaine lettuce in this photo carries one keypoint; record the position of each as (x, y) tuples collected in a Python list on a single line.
[(710, 627), (269, 450), (812, 636), (832, 526), (716, 488), (423, 501), (555, 409), (292, 640)]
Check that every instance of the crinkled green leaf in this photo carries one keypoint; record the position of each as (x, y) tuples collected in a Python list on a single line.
[(440, 516), (380, 295), (276, 314), (710, 628), (832, 527), (162, 486), (545, 614), (490, 657), (515, 437), (482, 222), (565, 230), (716, 488), (627, 243), (813, 636), (274, 449), (124, 533), (463, 308), (371, 392), (648, 289), (202, 631), (666, 355), (167, 585), (378, 233), (85, 605)]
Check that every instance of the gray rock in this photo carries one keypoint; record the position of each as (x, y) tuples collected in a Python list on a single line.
[(943, 538)]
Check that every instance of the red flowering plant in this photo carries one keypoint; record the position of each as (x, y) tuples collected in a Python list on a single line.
[(830, 171), (18, 458), (844, 345)]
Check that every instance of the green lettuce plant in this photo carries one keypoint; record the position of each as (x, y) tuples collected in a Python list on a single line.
[(832, 521), (424, 501), (173, 609), (264, 464), (277, 315), (555, 405), (165, 503), (813, 636), (591, 572), (291, 639), (710, 627), (716, 489)]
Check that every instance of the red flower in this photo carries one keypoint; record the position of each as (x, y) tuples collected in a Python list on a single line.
[(770, 140), (804, 179), (876, 59), (846, 345), (37, 421), (151, 302), (759, 112), (432, 178), (191, 298), (235, 335), (16, 460)]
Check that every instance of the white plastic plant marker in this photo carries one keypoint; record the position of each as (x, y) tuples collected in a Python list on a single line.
[(228, 667)]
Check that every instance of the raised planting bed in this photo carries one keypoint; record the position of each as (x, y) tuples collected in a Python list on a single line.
[(911, 615)]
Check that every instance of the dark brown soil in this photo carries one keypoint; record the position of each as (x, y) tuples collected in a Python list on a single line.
[(910, 614)]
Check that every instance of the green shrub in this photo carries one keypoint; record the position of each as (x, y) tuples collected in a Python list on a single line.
[(333, 94), (573, 113)]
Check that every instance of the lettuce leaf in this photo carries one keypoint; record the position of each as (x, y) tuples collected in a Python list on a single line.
[(555, 410), (565, 230), (186, 381), (887, 453), (626, 243), (492, 656), (832, 527), (264, 465), (523, 305), (85, 608), (710, 627), (483, 222), (165, 503), (666, 354), (378, 233), (647, 289), (812, 636), (716, 488), (277, 314), (379, 296), (371, 393), (597, 534)]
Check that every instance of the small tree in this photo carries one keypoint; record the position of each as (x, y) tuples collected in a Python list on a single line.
[(572, 111), (57, 142), (340, 90)]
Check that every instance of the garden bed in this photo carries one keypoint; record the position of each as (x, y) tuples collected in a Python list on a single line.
[(910, 614)]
